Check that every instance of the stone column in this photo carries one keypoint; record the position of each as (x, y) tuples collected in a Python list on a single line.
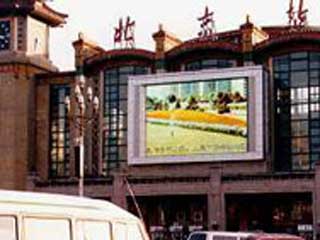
[(316, 202), (215, 201), (119, 190)]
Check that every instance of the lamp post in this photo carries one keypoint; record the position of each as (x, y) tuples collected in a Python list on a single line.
[(83, 108)]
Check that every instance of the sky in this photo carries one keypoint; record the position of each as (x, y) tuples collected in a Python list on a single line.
[(97, 19)]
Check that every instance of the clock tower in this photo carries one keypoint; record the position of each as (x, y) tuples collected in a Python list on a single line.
[(24, 52)]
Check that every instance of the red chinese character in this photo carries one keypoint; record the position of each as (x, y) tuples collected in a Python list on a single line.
[(118, 33), (125, 33), (129, 32), (207, 24), (302, 14), (291, 14), (297, 18)]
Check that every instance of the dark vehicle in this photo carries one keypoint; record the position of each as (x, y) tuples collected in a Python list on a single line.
[(213, 235)]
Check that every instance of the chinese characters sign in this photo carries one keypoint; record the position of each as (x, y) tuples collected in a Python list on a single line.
[(299, 17), (124, 33), (207, 24)]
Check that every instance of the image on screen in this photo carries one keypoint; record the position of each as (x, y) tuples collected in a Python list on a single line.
[(202, 117)]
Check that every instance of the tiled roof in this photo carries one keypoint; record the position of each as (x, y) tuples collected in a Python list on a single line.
[(284, 34), (116, 53), (204, 44)]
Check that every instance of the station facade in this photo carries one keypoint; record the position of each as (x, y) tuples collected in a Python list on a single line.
[(280, 192)]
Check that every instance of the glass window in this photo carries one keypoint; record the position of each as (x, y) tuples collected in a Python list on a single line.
[(134, 232), (299, 65), (224, 238), (300, 145), (299, 55), (8, 229), (297, 116), (119, 231), (48, 229), (299, 79), (283, 67), (210, 63), (198, 236), (299, 95), (92, 230), (315, 143), (59, 135), (300, 128), (299, 111), (115, 110), (300, 162)]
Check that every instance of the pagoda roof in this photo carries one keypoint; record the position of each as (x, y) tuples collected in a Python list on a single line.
[(35, 8)]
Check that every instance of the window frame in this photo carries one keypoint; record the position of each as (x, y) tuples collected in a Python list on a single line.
[(16, 224), (115, 109), (108, 222), (47, 217), (55, 120), (301, 105)]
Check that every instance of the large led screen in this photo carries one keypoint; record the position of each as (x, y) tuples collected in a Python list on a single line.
[(200, 117)]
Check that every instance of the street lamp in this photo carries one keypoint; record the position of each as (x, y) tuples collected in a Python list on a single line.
[(85, 108)]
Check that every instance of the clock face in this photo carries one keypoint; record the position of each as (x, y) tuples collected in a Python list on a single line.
[(5, 35)]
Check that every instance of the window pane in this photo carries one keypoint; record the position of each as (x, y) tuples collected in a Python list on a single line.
[(299, 95), (122, 153), (300, 145), (199, 236), (126, 69), (284, 96), (283, 80), (8, 228), (223, 238), (315, 144), (193, 66), (134, 232), (298, 73), (299, 65), (300, 162), (115, 108), (315, 157), (299, 111), (90, 230), (48, 229), (283, 66), (59, 135), (119, 231), (299, 128), (299, 79), (298, 55)]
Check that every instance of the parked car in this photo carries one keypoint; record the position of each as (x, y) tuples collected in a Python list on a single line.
[(31, 216), (215, 235)]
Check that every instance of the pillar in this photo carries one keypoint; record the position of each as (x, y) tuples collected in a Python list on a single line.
[(119, 190), (215, 201)]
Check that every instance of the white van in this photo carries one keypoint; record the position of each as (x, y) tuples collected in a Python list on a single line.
[(37, 216)]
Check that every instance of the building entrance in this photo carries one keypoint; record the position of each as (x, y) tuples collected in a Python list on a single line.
[(281, 213), (172, 217)]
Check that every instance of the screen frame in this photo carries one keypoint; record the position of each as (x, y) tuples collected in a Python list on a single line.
[(137, 114)]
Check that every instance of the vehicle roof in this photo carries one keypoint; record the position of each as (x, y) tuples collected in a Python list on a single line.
[(221, 233), (278, 236), (34, 202), (260, 236)]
